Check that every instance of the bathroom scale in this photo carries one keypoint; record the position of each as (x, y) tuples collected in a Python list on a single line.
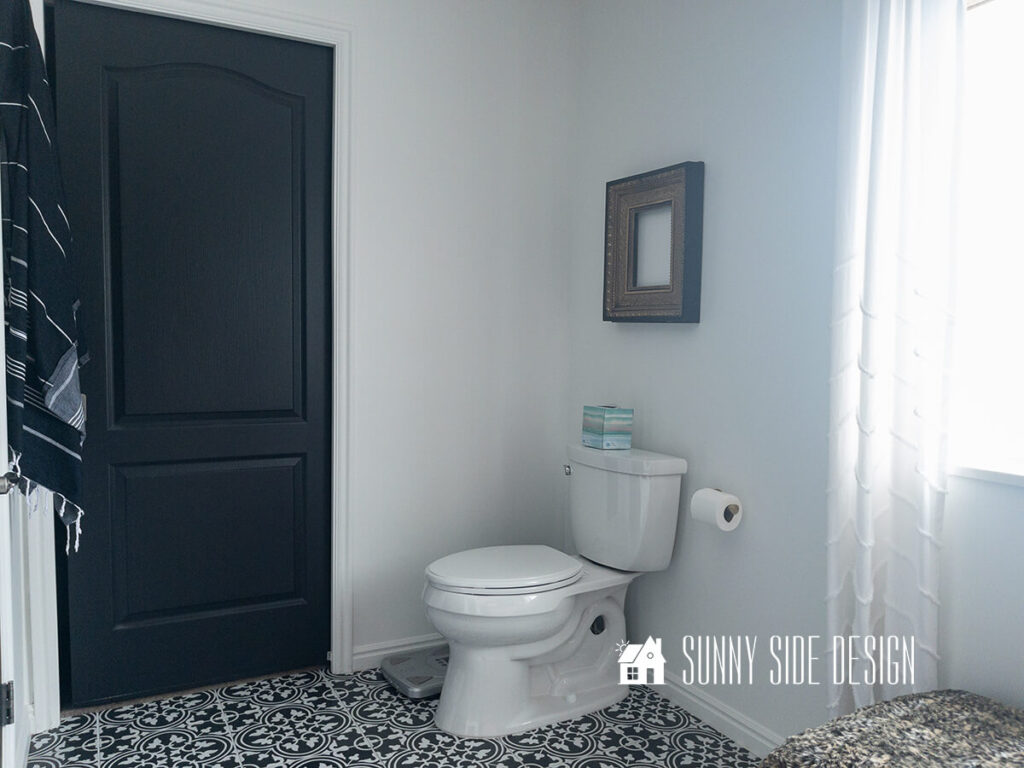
[(418, 674)]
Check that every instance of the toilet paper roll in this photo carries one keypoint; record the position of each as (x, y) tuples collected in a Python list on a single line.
[(714, 507)]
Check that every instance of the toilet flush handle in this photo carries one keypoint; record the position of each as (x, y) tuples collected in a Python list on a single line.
[(568, 469)]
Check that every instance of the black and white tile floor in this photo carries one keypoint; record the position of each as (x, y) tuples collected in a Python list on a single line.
[(314, 719)]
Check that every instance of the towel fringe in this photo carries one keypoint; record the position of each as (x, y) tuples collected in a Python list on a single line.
[(15, 465), (69, 513)]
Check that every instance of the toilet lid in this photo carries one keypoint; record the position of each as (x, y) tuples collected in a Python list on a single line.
[(501, 569)]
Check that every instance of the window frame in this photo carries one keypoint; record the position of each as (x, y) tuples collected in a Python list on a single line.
[(977, 471)]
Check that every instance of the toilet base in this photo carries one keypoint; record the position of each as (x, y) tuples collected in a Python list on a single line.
[(494, 691), (460, 719)]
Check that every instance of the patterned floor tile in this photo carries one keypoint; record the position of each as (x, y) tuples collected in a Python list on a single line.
[(314, 719)]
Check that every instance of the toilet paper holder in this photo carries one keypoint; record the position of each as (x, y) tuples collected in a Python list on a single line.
[(716, 507)]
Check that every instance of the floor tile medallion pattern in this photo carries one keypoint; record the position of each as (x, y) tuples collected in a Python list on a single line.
[(313, 719)]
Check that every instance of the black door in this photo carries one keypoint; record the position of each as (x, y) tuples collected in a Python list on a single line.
[(197, 166)]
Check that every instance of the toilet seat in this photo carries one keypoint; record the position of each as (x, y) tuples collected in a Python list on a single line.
[(509, 570)]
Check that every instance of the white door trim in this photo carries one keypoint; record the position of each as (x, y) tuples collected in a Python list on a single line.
[(14, 737), (254, 17), (41, 591), (15, 652)]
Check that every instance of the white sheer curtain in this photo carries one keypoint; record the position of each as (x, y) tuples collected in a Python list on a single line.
[(892, 328)]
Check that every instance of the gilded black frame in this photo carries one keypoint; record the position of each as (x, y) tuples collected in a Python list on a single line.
[(681, 186)]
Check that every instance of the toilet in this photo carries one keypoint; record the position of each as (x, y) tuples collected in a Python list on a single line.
[(532, 631)]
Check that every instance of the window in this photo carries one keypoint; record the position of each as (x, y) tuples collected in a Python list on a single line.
[(632, 673), (987, 404)]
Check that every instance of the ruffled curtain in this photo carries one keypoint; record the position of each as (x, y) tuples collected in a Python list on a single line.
[(892, 330)]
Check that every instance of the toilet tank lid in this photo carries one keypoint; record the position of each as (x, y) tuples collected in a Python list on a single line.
[(521, 565), (629, 462)]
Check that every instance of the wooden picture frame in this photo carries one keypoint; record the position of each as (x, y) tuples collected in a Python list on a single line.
[(680, 190)]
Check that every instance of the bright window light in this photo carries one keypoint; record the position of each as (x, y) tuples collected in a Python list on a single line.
[(987, 415)]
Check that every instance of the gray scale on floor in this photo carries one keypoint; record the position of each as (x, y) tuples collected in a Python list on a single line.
[(418, 674)]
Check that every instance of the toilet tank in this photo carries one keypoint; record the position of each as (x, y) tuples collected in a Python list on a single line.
[(624, 505)]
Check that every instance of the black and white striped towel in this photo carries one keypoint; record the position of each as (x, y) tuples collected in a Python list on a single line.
[(45, 409)]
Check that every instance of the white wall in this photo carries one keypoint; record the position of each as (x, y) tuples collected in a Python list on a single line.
[(483, 136), (749, 88), (981, 622), (459, 338)]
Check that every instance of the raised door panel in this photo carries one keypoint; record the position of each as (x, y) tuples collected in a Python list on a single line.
[(224, 262), (180, 559)]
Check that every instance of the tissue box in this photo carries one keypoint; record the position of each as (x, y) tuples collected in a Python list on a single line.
[(608, 427)]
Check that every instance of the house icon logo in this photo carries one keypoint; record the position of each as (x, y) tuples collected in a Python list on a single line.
[(641, 664)]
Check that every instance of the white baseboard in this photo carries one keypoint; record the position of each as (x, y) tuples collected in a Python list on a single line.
[(370, 655), (743, 730)]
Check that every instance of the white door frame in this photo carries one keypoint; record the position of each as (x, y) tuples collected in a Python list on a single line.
[(14, 738), (323, 30), (14, 651)]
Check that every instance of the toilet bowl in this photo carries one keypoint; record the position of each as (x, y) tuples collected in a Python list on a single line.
[(522, 656), (532, 631)]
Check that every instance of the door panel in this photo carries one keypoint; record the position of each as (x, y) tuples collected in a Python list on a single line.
[(161, 254), (260, 519), (197, 167)]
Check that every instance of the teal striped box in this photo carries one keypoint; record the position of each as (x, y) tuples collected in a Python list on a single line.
[(607, 427)]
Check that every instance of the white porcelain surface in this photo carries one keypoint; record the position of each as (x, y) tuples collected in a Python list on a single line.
[(630, 462), (502, 568), (623, 509), (521, 661), (525, 647)]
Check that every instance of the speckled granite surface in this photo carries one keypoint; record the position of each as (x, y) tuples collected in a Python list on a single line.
[(940, 729)]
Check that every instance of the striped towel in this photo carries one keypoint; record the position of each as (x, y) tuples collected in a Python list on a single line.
[(45, 408)]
